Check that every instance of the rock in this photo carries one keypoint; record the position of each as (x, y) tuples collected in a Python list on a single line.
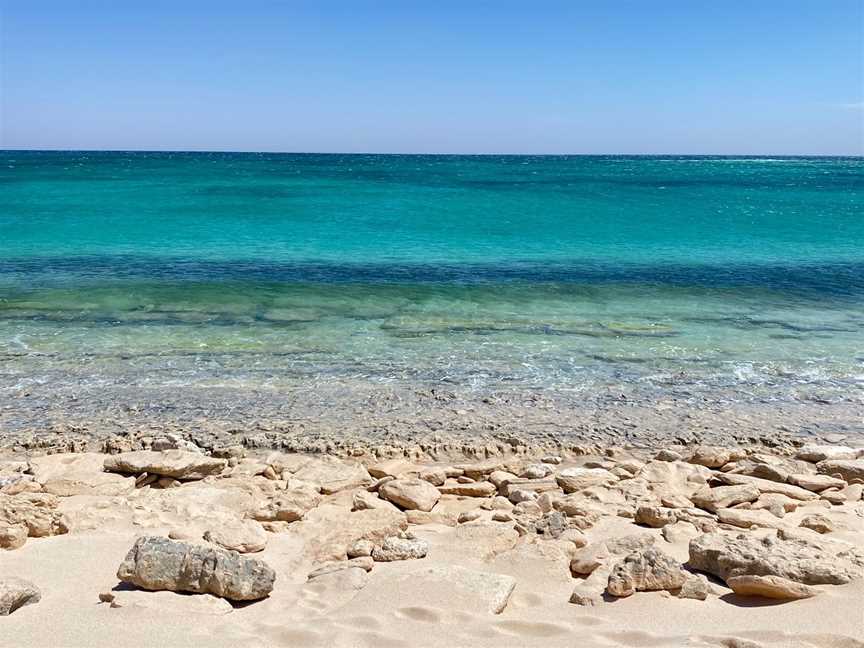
[(174, 442), (679, 532), (668, 455), (66, 475), (502, 516), (589, 558), (818, 523), (328, 530), (482, 540), (474, 489), (712, 499), (434, 517), (333, 475), (847, 469), (815, 453), (552, 459), (178, 464), (784, 555), (156, 563), (536, 471), (767, 486), (571, 480), (552, 524), (396, 548), (773, 587), (655, 516), (435, 476), (16, 593), (534, 485), (779, 505), (747, 518), (37, 511), (645, 570), (675, 476), (243, 536), (12, 536), (833, 495), (761, 470), (365, 563), (518, 496), (500, 478), (815, 483), (361, 548), (470, 591), (106, 597), (575, 537), (392, 468), (695, 586), (710, 457), (287, 506), (469, 516), (411, 494), (480, 470), (362, 500)]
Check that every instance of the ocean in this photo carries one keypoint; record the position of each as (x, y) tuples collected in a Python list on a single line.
[(129, 277)]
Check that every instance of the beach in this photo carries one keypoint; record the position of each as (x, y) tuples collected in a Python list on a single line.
[(372, 400)]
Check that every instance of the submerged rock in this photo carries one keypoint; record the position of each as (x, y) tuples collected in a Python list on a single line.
[(156, 563)]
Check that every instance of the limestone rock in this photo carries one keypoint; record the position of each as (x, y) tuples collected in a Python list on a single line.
[(818, 523), (178, 464), (848, 469), (767, 486), (364, 562), (773, 587), (710, 456), (333, 475), (156, 563), (695, 586), (815, 483), (571, 480), (12, 536), (411, 494), (71, 474), (391, 468), (474, 489), (396, 548), (747, 518), (815, 453), (361, 548), (645, 570), (435, 476), (243, 536), (287, 506), (785, 555), (328, 530), (712, 499), (587, 559), (37, 511), (15, 593)]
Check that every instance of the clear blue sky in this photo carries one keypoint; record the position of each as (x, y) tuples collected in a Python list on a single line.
[(600, 76)]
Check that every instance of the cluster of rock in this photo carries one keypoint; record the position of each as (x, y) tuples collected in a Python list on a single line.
[(734, 507)]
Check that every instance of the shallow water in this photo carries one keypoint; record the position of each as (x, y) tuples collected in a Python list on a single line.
[(572, 274)]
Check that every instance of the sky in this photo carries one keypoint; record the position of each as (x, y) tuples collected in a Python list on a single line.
[(471, 76)]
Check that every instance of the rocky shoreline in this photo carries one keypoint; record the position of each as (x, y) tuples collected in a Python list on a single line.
[(501, 534)]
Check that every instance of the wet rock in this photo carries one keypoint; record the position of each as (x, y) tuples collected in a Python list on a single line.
[(773, 587), (411, 494), (156, 563), (16, 593), (178, 464)]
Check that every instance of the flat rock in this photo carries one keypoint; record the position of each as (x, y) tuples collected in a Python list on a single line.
[(389, 468), (156, 563), (243, 536), (571, 480), (448, 587), (410, 494), (773, 587), (328, 531), (71, 474), (848, 469), (587, 559), (15, 593), (767, 486), (289, 505), (712, 499), (815, 483), (746, 519), (178, 464), (333, 475), (710, 456), (815, 453), (787, 555), (474, 489)]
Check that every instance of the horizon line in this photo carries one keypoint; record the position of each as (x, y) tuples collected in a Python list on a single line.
[(142, 150)]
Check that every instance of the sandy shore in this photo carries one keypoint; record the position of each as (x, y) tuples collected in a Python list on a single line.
[(505, 541)]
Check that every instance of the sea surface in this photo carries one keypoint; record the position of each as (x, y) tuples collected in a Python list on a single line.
[(740, 277)]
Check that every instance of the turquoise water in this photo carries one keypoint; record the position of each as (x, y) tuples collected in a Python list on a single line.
[(567, 273)]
